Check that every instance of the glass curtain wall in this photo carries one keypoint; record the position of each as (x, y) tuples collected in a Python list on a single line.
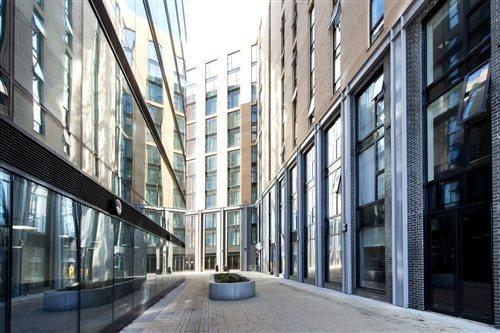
[(370, 149), (333, 203), (74, 268)]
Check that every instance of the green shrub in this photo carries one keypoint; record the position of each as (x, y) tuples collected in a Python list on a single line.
[(229, 278)]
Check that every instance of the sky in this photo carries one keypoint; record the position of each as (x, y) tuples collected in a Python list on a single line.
[(215, 24)]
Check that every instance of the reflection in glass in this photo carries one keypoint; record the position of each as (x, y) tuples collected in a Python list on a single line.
[(123, 258), (44, 260), (97, 270), (476, 90)]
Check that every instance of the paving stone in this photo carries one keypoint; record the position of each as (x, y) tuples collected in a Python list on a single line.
[(286, 306)]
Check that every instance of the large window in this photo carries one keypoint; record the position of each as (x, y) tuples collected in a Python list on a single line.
[(370, 150), (293, 220), (310, 209), (233, 129), (376, 18), (210, 181), (233, 162), (253, 120), (210, 135), (190, 183), (233, 223), (333, 201), (210, 237)]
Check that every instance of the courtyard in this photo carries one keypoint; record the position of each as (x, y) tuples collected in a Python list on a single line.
[(286, 306)]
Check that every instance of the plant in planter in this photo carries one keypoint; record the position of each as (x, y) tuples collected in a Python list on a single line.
[(229, 278)]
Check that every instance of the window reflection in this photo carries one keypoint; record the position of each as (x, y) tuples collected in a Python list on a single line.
[(44, 260)]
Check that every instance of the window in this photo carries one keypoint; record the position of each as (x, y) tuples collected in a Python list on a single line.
[(210, 237), (190, 183), (333, 202), (376, 18), (370, 149), (210, 135), (254, 232), (293, 221), (312, 76), (254, 73), (67, 97), (233, 162), (254, 174), (282, 224), (190, 140), (210, 88), (233, 129), (154, 71), (473, 101), (310, 208), (38, 77), (128, 43), (178, 166), (210, 181), (335, 24), (233, 227), (253, 122), (233, 80)]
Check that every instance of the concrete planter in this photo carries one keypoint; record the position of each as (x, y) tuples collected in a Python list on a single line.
[(231, 291)]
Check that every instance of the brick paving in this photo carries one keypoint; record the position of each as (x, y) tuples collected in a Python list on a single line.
[(286, 306)]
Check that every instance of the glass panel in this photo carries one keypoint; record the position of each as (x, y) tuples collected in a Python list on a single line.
[(151, 266), (443, 40), (123, 257), (366, 176), (140, 260), (372, 258), (4, 245), (44, 260), (475, 93), (377, 12), (443, 263), (97, 270), (476, 263), (335, 250), (445, 138)]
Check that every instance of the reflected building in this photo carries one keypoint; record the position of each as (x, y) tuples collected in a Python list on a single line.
[(92, 161)]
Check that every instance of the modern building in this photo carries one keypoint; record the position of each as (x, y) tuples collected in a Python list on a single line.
[(379, 150), (221, 161), (91, 161)]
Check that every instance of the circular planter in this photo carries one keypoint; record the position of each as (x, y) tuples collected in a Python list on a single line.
[(231, 291)]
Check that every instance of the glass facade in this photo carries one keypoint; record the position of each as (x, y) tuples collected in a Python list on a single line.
[(74, 268)]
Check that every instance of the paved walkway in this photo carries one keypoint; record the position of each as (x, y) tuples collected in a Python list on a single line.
[(286, 306)]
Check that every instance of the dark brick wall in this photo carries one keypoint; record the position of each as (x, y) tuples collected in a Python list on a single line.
[(495, 149), (387, 295)]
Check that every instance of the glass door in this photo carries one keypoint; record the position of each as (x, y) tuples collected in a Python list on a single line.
[(460, 263)]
